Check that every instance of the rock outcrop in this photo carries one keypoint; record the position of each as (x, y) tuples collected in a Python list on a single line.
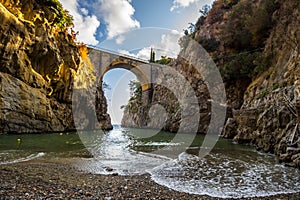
[(165, 111), (255, 44), (269, 116), (39, 63)]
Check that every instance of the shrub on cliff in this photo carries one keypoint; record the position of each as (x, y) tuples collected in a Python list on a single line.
[(248, 25), (235, 33), (230, 3), (164, 60), (26, 9), (244, 26), (62, 19), (135, 100), (209, 44), (245, 32), (240, 66)]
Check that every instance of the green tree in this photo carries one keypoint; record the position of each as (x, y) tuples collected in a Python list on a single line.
[(164, 60), (152, 56), (249, 24), (205, 10), (135, 89), (235, 33), (240, 66), (135, 100), (63, 18)]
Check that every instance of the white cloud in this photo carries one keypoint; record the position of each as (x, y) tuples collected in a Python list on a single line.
[(182, 3), (168, 46), (86, 25), (118, 15), (125, 52), (120, 39), (84, 11), (144, 53)]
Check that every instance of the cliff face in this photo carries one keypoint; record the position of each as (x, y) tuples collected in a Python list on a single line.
[(272, 100), (170, 118), (265, 46), (39, 63), (255, 45)]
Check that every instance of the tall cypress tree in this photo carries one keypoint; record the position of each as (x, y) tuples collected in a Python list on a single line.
[(152, 56)]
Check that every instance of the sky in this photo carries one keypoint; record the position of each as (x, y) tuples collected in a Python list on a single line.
[(131, 27)]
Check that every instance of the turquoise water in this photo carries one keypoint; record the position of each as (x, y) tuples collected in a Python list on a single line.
[(229, 170), (32, 146)]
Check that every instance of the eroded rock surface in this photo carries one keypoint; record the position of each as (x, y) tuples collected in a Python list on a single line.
[(39, 64)]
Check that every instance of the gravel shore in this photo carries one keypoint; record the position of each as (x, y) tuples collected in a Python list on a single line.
[(48, 180)]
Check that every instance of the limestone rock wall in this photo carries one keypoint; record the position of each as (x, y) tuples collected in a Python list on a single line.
[(38, 66), (262, 111), (269, 116), (169, 115)]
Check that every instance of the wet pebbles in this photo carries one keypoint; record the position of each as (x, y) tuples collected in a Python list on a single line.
[(43, 180)]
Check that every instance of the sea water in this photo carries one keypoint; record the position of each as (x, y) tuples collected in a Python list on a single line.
[(228, 171)]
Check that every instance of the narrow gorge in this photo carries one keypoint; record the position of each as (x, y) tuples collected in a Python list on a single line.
[(215, 117), (41, 66)]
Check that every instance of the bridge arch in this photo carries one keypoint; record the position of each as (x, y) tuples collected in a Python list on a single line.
[(104, 61), (137, 70)]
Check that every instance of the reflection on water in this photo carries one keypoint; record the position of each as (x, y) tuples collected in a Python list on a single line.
[(114, 153), (230, 170)]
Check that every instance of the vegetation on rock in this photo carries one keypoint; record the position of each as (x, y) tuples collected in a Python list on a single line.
[(135, 100), (164, 60), (40, 60), (29, 10), (255, 45), (63, 19), (256, 49)]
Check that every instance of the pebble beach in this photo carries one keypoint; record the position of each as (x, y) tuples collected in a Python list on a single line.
[(49, 180)]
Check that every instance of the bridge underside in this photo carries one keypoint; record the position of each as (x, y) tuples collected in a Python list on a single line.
[(141, 75)]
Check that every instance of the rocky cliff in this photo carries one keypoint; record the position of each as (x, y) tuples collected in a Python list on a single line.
[(255, 46), (168, 116), (39, 63), (269, 116)]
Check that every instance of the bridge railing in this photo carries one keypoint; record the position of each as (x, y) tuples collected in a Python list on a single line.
[(118, 54)]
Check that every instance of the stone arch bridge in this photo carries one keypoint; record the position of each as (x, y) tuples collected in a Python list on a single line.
[(104, 61)]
